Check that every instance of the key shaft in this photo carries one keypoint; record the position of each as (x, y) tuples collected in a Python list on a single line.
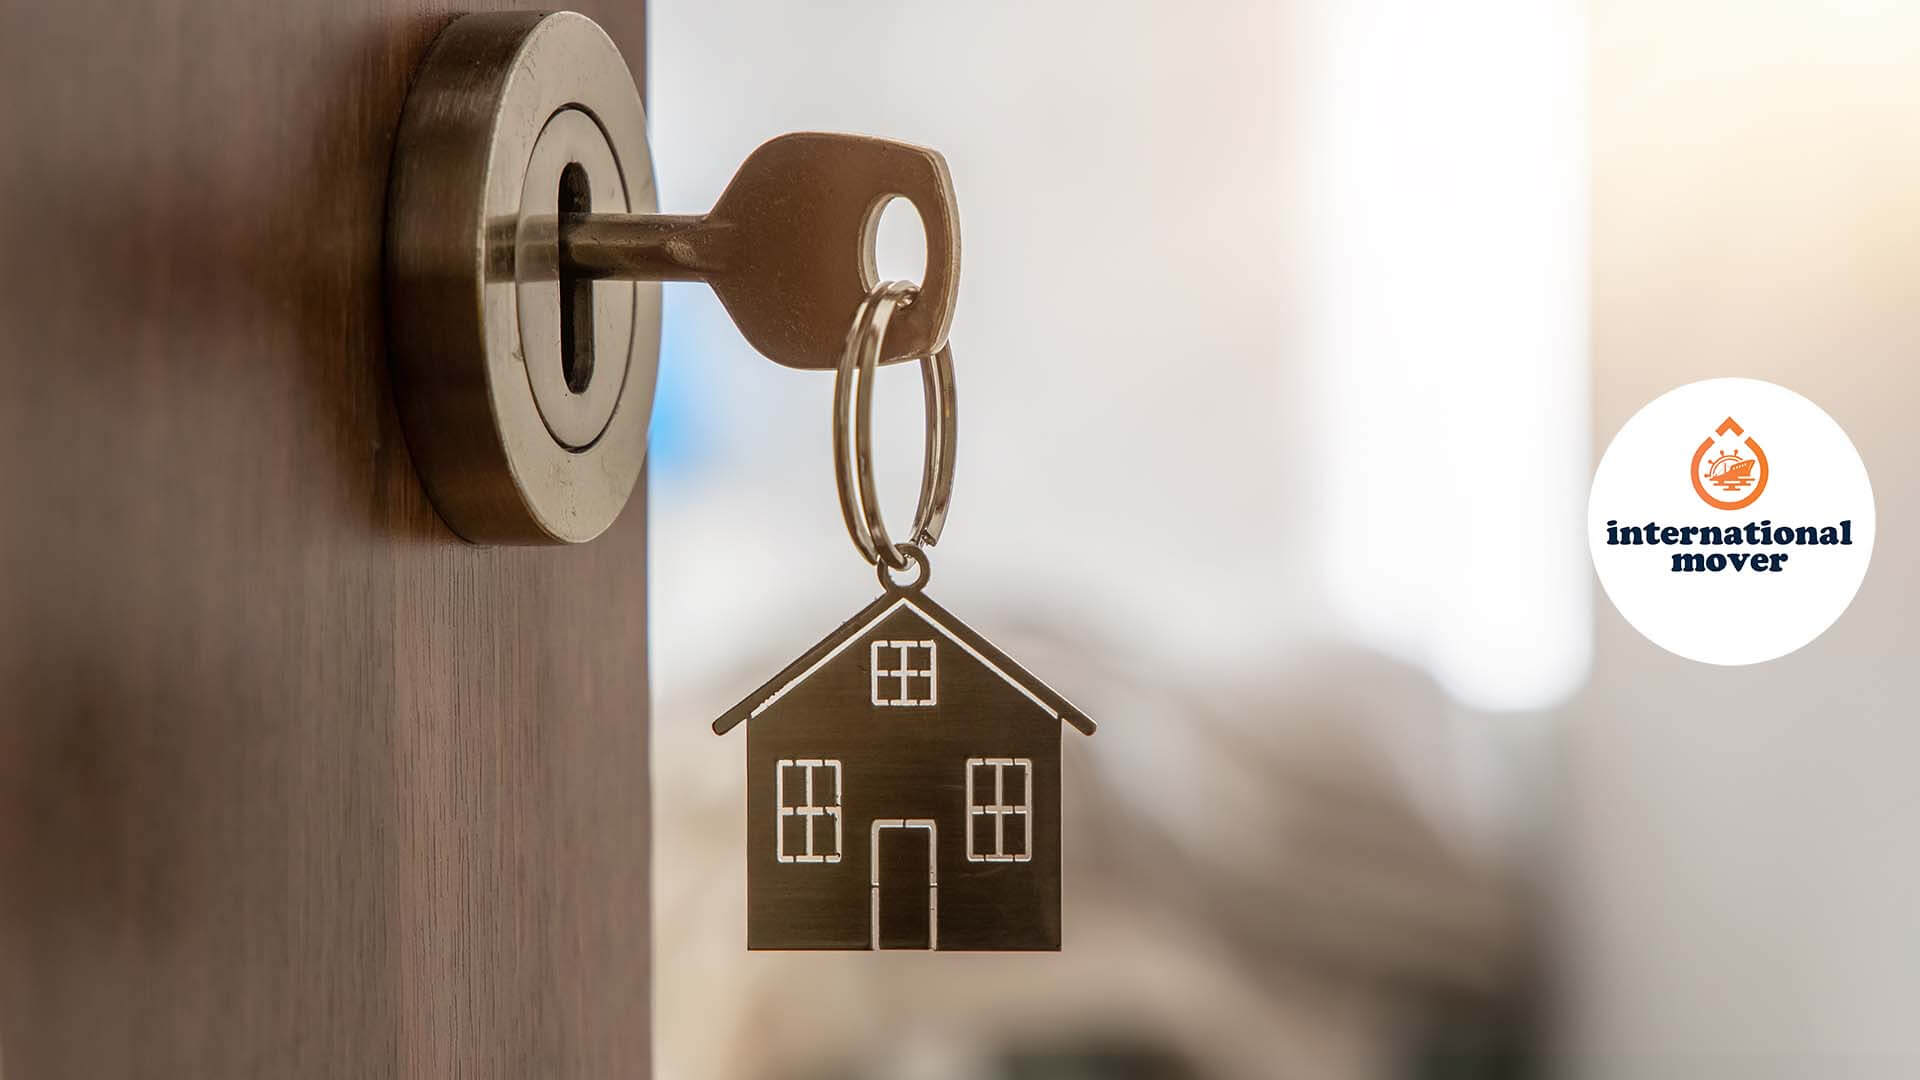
[(641, 247)]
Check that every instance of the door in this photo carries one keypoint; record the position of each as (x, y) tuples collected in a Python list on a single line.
[(906, 884), (292, 782)]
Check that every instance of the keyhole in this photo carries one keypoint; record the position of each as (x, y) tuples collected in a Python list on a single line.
[(576, 292)]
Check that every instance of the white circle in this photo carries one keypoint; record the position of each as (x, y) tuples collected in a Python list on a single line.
[(1677, 555)]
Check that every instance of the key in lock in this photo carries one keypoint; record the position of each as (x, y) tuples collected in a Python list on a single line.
[(524, 250)]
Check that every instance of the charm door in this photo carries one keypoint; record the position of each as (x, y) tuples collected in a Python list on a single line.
[(906, 884)]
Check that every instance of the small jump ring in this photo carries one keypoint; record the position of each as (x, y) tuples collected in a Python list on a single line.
[(853, 431), (919, 558)]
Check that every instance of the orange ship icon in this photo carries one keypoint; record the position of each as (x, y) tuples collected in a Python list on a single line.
[(1729, 471)]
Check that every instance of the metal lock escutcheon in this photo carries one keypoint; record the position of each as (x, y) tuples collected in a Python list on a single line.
[(524, 252)]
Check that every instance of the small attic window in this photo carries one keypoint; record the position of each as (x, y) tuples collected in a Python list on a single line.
[(904, 672)]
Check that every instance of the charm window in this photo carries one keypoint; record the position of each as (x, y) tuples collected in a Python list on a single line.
[(808, 793), (999, 809), (905, 673)]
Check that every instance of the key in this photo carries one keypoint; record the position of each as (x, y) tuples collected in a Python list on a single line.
[(788, 247)]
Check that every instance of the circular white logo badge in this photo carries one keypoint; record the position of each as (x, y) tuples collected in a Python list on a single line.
[(1731, 521)]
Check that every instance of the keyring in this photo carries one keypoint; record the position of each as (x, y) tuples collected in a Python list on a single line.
[(853, 431)]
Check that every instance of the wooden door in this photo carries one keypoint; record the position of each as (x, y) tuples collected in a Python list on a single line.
[(292, 782)]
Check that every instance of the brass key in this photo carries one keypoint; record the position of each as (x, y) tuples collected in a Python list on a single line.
[(789, 246)]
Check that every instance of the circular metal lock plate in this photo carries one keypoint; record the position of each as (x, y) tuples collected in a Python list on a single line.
[(510, 116)]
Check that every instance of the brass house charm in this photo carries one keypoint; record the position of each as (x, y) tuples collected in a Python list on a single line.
[(903, 791)]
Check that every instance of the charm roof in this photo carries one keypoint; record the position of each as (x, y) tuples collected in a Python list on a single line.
[(979, 648)]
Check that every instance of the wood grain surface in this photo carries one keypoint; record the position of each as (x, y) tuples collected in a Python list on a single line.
[(292, 782)]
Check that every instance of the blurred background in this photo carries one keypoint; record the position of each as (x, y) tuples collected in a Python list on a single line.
[(1288, 334)]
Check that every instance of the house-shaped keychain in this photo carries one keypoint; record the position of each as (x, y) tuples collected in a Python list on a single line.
[(903, 790)]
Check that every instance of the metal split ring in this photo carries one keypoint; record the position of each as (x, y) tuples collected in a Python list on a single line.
[(853, 431)]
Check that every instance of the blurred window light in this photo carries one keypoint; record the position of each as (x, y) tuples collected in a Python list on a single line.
[(1446, 166)]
